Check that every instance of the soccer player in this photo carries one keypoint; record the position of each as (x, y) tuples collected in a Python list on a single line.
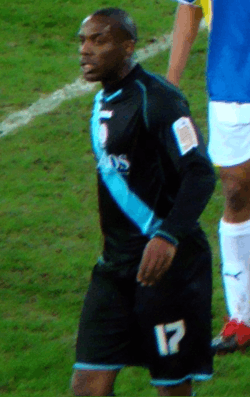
[(228, 76), (149, 300)]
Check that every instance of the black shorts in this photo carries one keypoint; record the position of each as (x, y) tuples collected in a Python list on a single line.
[(166, 328)]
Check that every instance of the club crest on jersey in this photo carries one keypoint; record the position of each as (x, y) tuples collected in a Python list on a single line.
[(106, 114), (103, 135), (103, 129)]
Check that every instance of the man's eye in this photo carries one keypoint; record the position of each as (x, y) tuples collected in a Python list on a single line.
[(99, 40)]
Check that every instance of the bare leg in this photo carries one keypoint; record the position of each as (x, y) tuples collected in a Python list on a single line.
[(236, 187), (184, 389), (93, 383)]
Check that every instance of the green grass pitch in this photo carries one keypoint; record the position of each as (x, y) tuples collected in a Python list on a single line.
[(49, 235)]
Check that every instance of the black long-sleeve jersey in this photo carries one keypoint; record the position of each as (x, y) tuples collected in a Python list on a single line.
[(154, 176)]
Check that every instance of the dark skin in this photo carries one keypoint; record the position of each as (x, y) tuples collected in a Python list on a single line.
[(235, 179), (106, 56)]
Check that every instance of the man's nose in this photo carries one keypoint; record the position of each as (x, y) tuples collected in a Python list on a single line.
[(85, 48)]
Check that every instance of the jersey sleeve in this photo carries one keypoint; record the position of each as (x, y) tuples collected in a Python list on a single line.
[(182, 142)]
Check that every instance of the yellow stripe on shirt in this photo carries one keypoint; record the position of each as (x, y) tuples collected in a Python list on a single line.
[(207, 9)]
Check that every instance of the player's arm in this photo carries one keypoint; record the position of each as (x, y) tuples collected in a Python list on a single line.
[(186, 27), (156, 260), (196, 188), (186, 147), (184, 144)]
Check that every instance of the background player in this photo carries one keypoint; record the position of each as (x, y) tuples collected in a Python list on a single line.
[(229, 145), (149, 300)]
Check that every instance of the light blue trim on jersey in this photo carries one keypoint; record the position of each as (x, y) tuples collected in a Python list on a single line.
[(156, 77), (97, 367), (109, 98), (166, 236), (165, 382), (144, 97), (128, 201)]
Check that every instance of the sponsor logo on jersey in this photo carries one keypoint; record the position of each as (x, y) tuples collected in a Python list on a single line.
[(111, 161)]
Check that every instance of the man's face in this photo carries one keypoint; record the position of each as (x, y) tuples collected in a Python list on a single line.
[(102, 53)]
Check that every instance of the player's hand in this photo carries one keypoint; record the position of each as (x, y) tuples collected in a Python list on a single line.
[(156, 260)]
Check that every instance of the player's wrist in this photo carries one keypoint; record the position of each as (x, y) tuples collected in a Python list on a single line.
[(166, 236)]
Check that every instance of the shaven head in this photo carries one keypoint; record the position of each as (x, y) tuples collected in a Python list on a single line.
[(107, 41), (121, 21)]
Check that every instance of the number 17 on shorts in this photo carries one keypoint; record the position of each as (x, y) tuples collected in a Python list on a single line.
[(168, 337)]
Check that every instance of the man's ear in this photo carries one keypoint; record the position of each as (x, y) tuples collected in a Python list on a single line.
[(129, 47)]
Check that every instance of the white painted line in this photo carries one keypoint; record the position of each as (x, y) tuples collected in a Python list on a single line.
[(44, 105), (69, 91)]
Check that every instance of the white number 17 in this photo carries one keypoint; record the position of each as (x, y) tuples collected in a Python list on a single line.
[(169, 344)]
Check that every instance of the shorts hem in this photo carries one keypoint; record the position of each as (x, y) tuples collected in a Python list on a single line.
[(229, 126), (169, 382), (97, 367), (232, 163)]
